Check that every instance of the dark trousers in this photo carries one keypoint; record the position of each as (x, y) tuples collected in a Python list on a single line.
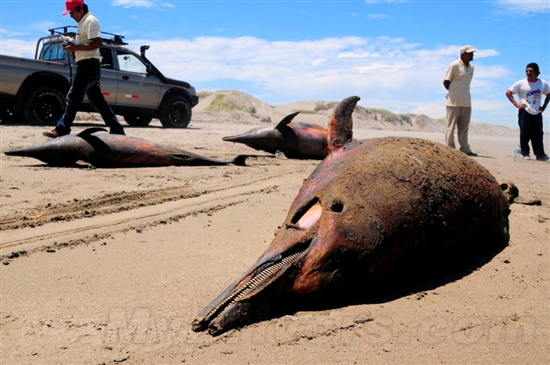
[(86, 82), (530, 129)]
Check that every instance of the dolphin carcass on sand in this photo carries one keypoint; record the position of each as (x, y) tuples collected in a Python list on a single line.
[(295, 140), (370, 209), (114, 150)]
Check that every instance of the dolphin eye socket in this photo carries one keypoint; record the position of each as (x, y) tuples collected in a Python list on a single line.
[(309, 214), (336, 207)]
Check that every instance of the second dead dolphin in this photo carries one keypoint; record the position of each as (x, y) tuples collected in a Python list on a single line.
[(295, 140), (114, 150)]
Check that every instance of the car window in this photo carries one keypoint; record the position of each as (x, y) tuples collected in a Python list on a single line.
[(129, 62), (106, 58), (52, 51)]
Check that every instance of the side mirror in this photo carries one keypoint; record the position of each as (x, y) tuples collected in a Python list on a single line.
[(142, 50)]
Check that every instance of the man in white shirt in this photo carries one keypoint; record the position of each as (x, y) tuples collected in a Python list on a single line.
[(459, 109), (88, 72), (530, 91)]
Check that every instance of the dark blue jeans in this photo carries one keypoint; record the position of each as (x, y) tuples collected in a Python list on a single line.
[(530, 129), (86, 82)]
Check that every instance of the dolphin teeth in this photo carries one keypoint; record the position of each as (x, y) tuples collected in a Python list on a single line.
[(264, 274), (261, 276)]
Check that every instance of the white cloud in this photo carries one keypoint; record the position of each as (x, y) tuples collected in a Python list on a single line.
[(41, 26), (17, 47), (524, 7), (141, 4), (386, 72), (133, 3), (384, 1), (378, 16), (12, 33)]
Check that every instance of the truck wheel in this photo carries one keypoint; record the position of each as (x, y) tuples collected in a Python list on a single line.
[(137, 120), (44, 105), (176, 112)]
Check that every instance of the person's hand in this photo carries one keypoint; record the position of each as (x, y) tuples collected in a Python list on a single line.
[(521, 105), (69, 46)]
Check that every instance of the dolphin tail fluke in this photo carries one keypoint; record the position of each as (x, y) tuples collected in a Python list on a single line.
[(511, 192)]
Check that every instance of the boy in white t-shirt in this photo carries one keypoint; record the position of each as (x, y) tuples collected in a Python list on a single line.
[(530, 91)]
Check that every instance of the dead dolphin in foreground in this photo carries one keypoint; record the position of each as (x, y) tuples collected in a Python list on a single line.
[(295, 140), (113, 150), (371, 208)]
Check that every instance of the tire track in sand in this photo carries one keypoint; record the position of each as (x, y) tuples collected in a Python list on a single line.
[(173, 205)]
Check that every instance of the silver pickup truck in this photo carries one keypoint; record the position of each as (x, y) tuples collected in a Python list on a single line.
[(34, 89)]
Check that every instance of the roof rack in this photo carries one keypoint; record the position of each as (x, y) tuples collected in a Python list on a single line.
[(116, 39)]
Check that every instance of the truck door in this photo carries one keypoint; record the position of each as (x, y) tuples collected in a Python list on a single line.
[(135, 87), (109, 76)]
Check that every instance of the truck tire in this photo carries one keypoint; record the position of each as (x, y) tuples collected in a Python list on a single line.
[(44, 105), (137, 120), (176, 112)]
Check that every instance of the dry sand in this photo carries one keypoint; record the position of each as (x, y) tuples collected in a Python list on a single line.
[(110, 266)]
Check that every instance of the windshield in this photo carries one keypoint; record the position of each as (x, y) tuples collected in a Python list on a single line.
[(52, 50)]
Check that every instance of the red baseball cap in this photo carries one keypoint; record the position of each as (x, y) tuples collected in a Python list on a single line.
[(71, 4)]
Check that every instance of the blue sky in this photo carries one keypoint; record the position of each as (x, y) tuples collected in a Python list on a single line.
[(393, 54)]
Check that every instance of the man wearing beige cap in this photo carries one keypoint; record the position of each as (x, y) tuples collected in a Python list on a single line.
[(459, 108), (88, 72)]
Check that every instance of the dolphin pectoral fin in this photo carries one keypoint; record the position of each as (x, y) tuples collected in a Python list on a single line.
[(286, 120), (240, 160), (340, 124)]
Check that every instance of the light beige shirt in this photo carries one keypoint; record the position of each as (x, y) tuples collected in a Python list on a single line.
[(88, 28), (460, 77)]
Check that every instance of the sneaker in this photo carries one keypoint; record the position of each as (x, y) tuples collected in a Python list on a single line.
[(543, 158), (51, 134), (472, 154), (526, 157)]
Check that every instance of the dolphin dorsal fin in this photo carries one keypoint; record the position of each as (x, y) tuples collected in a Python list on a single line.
[(86, 132), (340, 123), (283, 123)]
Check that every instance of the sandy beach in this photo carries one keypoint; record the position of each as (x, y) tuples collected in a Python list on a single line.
[(107, 266)]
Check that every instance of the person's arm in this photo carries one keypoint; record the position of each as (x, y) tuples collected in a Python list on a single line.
[(546, 100), (510, 97), (92, 44), (449, 76)]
